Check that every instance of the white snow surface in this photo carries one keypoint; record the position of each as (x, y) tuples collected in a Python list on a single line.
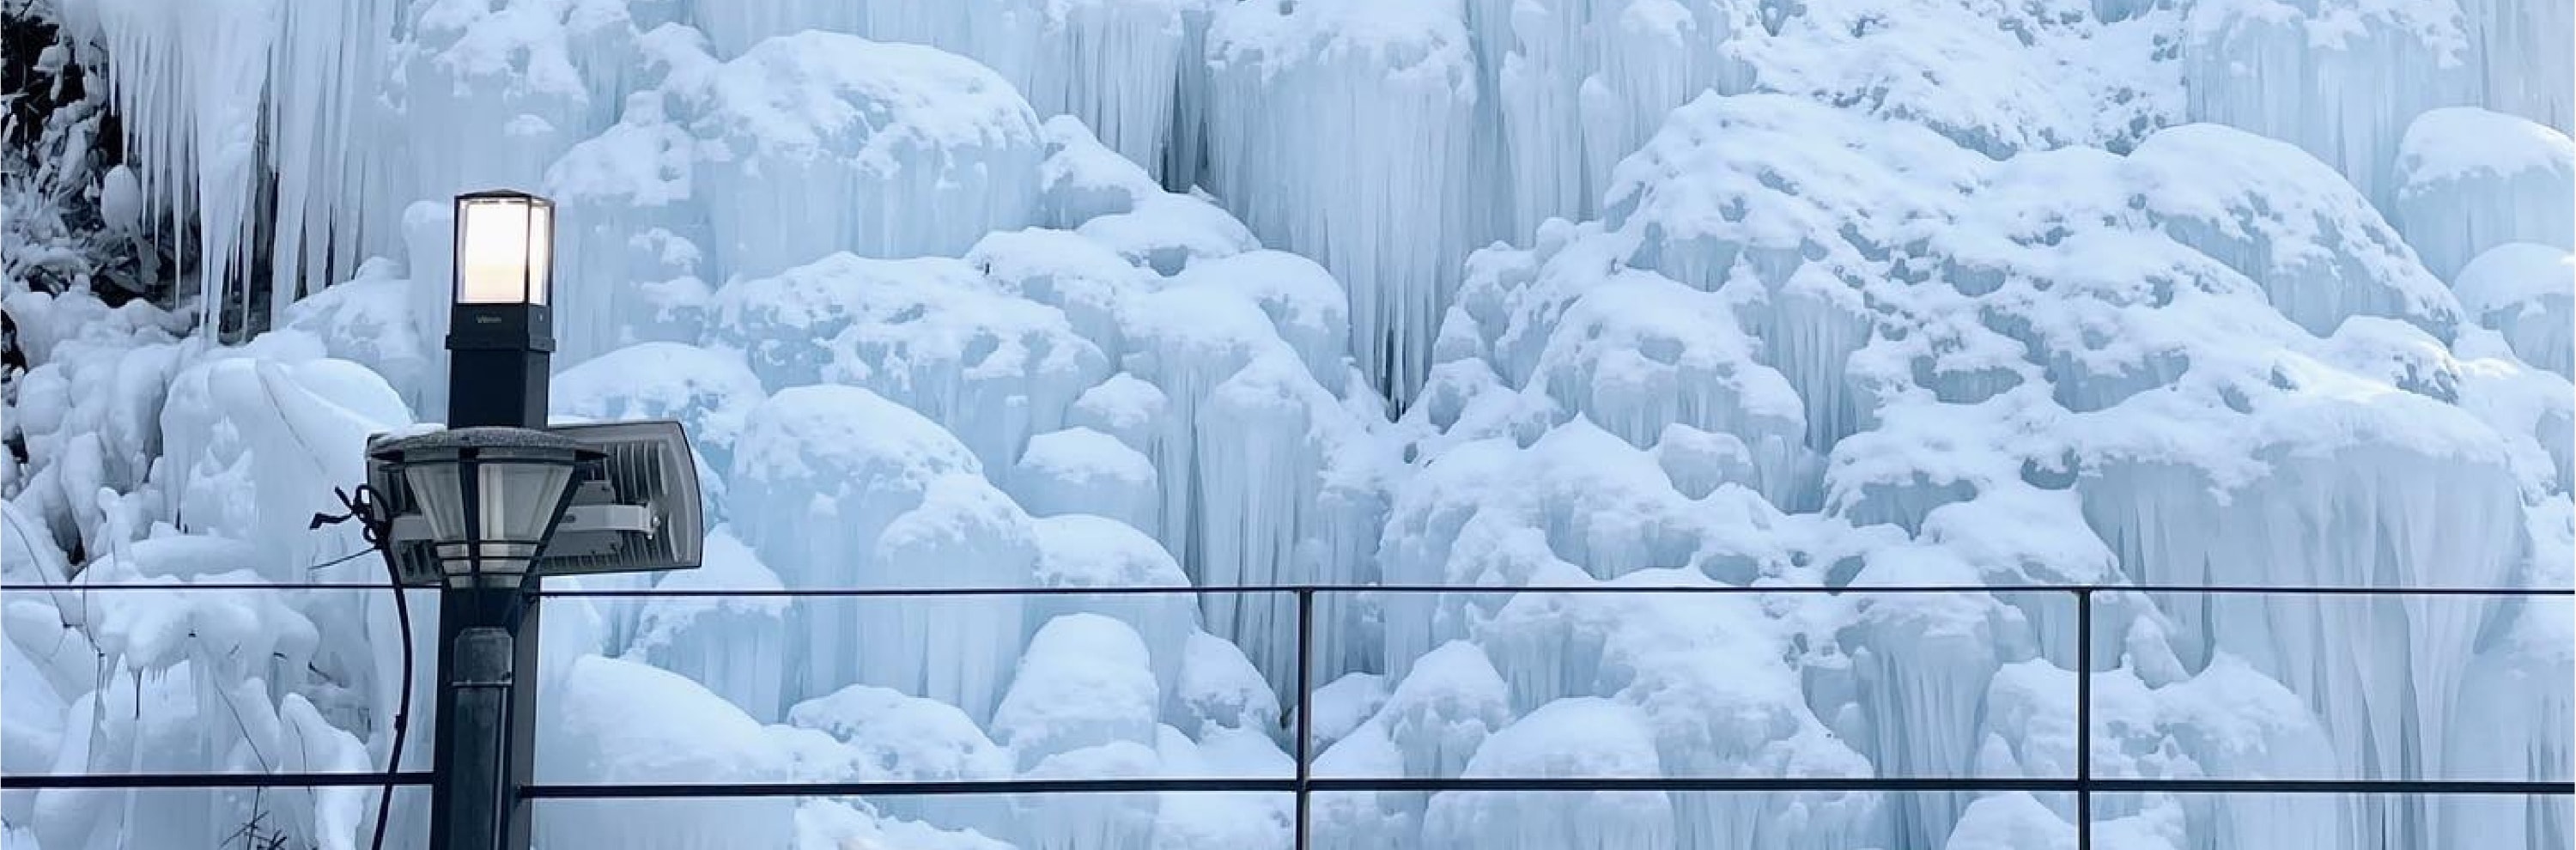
[(1709, 304)]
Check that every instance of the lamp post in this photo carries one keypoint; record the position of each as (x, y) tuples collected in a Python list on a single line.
[(488, 508), (500, 339)]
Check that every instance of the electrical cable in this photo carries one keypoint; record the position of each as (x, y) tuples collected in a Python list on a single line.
[(370, 550), (376, 534)]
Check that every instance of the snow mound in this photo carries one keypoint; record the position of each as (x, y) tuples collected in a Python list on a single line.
[(2527, 292), (1079, 469), (1582, 737), (1082, 550), (1086, 681), (901, 738), (1219, 688), (622, 721), (837, 123), (1444, 710), (1113, 64), (2470, 180)]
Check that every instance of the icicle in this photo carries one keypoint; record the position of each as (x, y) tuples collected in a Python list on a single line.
[(2341, 79), (326, 72), (2454, 521), (1296, 89), (2522, 66), (1583, 84), (1275, 466)]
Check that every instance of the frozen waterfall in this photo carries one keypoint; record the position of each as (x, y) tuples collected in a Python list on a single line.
[(1662, 343)]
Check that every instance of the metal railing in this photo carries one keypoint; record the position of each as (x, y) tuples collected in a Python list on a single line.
[(1303, 784)]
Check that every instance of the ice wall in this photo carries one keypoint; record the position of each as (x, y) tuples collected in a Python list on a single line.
[(1849, 293), (2070, 293)]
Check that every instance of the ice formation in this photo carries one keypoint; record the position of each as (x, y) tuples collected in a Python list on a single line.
[(1279, 108), (1575, 737), (2523, 291), (2470, 180), (1135, 298)]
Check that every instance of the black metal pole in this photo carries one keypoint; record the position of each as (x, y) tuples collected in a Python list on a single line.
[(1305, 714), (498, 359), (2084, 719)]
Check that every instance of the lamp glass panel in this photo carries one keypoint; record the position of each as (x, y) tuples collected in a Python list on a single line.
[(520, 500), (494, 251), (541, 249), (439, 490)]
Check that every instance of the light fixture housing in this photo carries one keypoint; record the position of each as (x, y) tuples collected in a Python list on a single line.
[(633, 505), (504, 248), (491, 497)]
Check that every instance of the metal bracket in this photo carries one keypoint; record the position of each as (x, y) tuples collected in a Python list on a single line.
[(576, 519)]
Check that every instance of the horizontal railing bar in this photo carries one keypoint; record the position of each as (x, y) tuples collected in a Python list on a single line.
[(2522, 788), (40, 782), (216, 585), (1289, 785), (1938, 784), (1285, 589), (1281, 785), (1286, 785), (1241, 590)]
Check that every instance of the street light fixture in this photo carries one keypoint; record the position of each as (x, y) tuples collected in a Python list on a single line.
[(492, 496)]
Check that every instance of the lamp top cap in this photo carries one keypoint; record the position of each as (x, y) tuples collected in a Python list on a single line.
[(452, 441), (503, 195)]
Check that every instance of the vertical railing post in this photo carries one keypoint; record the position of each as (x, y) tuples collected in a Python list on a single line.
[(1305, 709), (2084, 718)]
